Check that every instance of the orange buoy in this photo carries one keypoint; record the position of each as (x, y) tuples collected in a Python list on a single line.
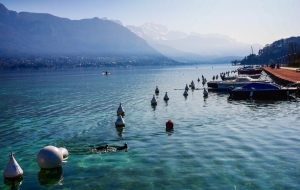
[(169, 125)]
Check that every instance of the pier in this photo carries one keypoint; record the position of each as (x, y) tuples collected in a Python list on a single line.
[(284, 75)]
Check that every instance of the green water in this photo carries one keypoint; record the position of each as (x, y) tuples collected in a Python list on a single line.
[(216, 143)]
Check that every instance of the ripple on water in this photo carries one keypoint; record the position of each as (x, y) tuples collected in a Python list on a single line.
[(215, 144)]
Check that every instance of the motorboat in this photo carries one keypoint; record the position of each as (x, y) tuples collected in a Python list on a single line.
[(240, 81), (214, 84), (250, 70), (261, 91)]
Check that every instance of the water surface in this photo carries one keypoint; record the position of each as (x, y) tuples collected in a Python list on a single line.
[(216, 143)]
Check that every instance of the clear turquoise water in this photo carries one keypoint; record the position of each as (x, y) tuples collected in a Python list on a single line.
[(216, 143)]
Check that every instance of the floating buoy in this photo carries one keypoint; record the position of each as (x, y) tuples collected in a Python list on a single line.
[(186, 87), (205, 93), (169, 125), (192, 85), (120, 122), (153, 101), (198, 79), (120, 110), (185, 93), (156, 90), (50, 157), (64, 152), (125, 147), (12, 170), (166, 97)]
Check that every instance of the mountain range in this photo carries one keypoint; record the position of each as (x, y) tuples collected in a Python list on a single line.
[(29, 34), (44, 34), (191, 47)]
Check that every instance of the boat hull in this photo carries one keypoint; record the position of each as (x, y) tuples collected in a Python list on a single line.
[(261, 94), (250, 72)]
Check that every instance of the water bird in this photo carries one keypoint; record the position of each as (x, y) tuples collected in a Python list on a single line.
[(156, 90), (125, 147), (153, 101), (198, 79), (102, 147), (166, 96), (213, 77)]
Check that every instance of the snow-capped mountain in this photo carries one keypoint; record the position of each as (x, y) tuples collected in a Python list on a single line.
[(193, 46)]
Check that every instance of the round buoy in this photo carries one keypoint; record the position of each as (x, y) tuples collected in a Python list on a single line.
[(120, 122), (205, 93), (50, 157), (186, 87), (169, 125), (64, 152), (153, 101), (120, 110), (185, 93), (156, 90), (12, 170), (166, 96)]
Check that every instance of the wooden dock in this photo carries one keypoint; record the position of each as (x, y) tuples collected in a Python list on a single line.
[(283, 76)]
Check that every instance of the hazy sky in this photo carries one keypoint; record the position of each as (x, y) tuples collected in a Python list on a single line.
[(250, 21)]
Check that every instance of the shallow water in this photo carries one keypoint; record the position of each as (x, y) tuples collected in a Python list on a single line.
[(216, 143)]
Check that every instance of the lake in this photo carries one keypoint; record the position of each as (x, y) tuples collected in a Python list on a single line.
[(216, 143)]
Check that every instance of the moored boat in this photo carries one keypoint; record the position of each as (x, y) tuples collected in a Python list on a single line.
[(250, 70), (261, 91), (240, 81)]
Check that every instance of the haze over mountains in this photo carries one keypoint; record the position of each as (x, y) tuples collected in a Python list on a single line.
[(44, 34), (27, 33), (191, 47)]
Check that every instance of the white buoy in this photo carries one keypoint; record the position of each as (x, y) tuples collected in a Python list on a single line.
[(185, 93), (166, 96), (64, 152), (120, 110), (120, 122), (50, 157), (12, 170), (153, 101), (156, 90), (186, 87), (205, 93), (192, 85)]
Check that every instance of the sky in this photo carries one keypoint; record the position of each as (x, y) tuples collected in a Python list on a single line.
[(248, 21)]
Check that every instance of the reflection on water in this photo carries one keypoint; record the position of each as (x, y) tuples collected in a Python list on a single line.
[(120, 131), (216, 143), (49, 178), (13, 184)]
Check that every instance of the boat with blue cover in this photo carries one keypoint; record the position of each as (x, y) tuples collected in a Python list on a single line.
[(261, 91)]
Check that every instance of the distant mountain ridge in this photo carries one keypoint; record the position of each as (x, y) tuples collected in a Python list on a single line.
[(193, 46), (44, 34)]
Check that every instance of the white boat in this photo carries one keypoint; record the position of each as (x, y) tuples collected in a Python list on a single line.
[(240, 81)]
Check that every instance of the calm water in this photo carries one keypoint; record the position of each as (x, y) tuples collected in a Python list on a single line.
[(216, 143)]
